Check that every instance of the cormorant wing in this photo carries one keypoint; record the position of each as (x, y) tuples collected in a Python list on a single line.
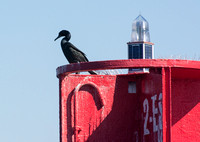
[(76, 49), (72, 46)]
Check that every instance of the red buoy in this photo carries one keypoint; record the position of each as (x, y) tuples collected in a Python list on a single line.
[(161, 105)]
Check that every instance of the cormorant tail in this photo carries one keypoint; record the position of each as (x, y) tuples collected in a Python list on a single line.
[(92, 72)]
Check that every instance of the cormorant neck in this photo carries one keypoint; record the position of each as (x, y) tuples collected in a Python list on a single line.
[(64, 40)]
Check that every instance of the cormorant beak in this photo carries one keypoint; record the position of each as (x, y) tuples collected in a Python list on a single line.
[(57, 38)]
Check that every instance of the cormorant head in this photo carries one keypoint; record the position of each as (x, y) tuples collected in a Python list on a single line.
[(64, 33)]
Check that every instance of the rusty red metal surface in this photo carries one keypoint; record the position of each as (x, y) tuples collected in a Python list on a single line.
[(159, 106)]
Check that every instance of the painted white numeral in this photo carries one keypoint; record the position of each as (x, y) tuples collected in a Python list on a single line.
[(136, 136), (156, 102), (146, 110), (154, 111), (160, 110)]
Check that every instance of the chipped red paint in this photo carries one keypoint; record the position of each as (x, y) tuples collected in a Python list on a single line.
[(159, 106)]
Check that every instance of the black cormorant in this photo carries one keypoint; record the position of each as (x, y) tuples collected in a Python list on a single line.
[(73, 54)]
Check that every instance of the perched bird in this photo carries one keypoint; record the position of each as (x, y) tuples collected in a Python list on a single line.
[(73, 54)]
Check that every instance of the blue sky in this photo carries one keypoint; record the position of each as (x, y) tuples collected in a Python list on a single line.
[(29, 109)]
